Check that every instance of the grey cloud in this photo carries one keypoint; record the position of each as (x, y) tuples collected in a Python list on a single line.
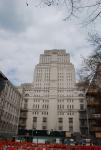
[(42, 29), (13, 15)]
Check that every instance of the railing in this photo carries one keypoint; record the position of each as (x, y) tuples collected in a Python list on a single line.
[(83, 126), (22, 123), (92, 90), (90, 103), (96, 116), (96, 129), (83, 117), (23, 116)]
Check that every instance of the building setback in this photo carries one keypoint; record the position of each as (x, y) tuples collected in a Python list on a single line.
[(93, 97), (52, 101), (10, 100), (82, 86)]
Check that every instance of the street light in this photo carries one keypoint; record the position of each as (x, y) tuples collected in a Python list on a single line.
[(87, 113), (87, 119), (35, 134)]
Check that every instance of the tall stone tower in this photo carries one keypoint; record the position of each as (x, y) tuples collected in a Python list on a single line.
[(52, 98)]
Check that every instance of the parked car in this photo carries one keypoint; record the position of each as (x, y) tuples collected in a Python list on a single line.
[(86, 142), (70, 142)]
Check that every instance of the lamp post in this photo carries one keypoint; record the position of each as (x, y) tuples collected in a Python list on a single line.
[(87, 114), (35, 134), (36, 137), (87, 121), (32, 135)]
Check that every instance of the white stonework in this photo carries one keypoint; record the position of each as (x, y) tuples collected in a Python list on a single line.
[(10, 100), (53, 101)]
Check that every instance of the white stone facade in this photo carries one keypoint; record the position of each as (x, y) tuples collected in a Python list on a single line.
[(10, 100), (53, 102)]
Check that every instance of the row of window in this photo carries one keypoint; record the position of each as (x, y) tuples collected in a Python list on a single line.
[(7, 126), (60, 69), (68, 100), (38, 100), (37, 106), (47, 94), (62, 91), (60, 120), (60, 128), (59, 100), (70, 120), (59, 113), (11, 108), (65, 107), (43, 113), (60, 81), (61, 73), (44, 119), (10, 117), (66, 113), (11, 94), (46, 91), (39, 77), (60, 59)]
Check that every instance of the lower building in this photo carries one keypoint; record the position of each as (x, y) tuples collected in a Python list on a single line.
[(82, 86), (93, 97), (25, 108), (94, 111), (68, 114), (10, 100)]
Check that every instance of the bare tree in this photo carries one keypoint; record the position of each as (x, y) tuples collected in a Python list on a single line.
[(88, 9), (92, 64)]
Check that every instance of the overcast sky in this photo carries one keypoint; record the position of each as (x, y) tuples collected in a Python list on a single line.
[(25, 32)]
